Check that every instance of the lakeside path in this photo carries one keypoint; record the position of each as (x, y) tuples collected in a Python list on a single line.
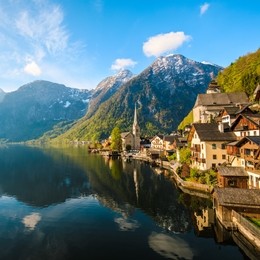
[(201, 190)]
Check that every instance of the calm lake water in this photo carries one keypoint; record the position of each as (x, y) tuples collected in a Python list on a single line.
[(64, 203)]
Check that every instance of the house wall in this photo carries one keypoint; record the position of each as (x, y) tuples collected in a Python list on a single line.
[(254, 180), (232, 181), (215, 156), (196, 114), (199, 153), (235, 161), (128, 140), (241, 133), (157, 143)]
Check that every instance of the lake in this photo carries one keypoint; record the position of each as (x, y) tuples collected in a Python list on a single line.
[(65, 203)]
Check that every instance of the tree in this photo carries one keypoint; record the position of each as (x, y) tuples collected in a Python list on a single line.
[(185, 155), (116, 141)]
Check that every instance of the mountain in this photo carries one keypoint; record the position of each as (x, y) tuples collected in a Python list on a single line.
[(242, 75), (106, 88), (36, 107), (2, 94), (164, 93)]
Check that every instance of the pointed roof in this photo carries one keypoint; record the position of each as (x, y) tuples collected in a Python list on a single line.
[(135, 116), (253, 118)]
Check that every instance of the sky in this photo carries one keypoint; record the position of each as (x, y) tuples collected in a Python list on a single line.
[(79, 43)]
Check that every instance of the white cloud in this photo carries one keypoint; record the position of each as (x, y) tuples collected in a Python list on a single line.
[(122, 64), (204, 8), (31, 221), (43, 28), (32, 68), (161, 43)]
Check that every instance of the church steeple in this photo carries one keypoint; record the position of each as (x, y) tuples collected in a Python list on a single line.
[(136, 132), (135, 116)]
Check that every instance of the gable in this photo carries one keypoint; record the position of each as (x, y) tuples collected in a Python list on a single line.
[(245, 122)]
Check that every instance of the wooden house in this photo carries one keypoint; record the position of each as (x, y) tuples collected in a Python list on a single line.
[(243, 201), (233, 177), (250, 153), (246, 125), (229, 114)]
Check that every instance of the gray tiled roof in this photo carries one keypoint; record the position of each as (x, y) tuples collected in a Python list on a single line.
[(210, 132), (221, 99), (254, 139), (237, 197), (232, 171)]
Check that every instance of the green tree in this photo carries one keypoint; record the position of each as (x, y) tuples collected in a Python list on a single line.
[(116, 141), (185, 155)]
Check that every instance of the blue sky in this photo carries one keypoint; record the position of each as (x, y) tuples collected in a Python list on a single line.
[(80, 42)]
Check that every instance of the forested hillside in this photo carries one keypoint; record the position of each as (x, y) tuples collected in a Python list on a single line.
[(242, 75)]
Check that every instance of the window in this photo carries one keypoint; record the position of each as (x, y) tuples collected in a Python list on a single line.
[(201, 146), (232, 183), (223, 157), (213, 166), (214, 157), (214, 146), (223, 146), (247, 152)]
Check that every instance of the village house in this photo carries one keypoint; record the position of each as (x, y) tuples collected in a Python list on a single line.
[(208, 145), (168, 142), (208, 106), (229, 201), (229, 114), (157, 142), (250, 153), (232, 177), (246, 125)]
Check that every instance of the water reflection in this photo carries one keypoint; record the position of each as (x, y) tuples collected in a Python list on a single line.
[(35, 177), (169, 247), (67, 204)]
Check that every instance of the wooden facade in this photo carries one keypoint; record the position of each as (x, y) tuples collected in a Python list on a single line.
[(232, 177), (243, 201)]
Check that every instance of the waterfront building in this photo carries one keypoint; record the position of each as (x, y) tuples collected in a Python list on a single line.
[(132, 138), (208, 145)]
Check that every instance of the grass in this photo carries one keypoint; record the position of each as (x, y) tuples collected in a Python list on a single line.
[(255, 221)]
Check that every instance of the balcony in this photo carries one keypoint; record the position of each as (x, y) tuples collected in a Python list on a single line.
[(196, 148), (198, 159)]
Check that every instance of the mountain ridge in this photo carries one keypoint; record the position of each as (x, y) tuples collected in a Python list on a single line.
[(163, 93)]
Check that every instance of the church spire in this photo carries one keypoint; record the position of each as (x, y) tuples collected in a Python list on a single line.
[(135, 116), (136, 132)]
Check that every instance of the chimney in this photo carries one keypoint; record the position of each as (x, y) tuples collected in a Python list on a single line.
[(221, 127)]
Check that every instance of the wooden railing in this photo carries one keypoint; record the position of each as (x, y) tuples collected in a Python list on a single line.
[(252, 228)]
